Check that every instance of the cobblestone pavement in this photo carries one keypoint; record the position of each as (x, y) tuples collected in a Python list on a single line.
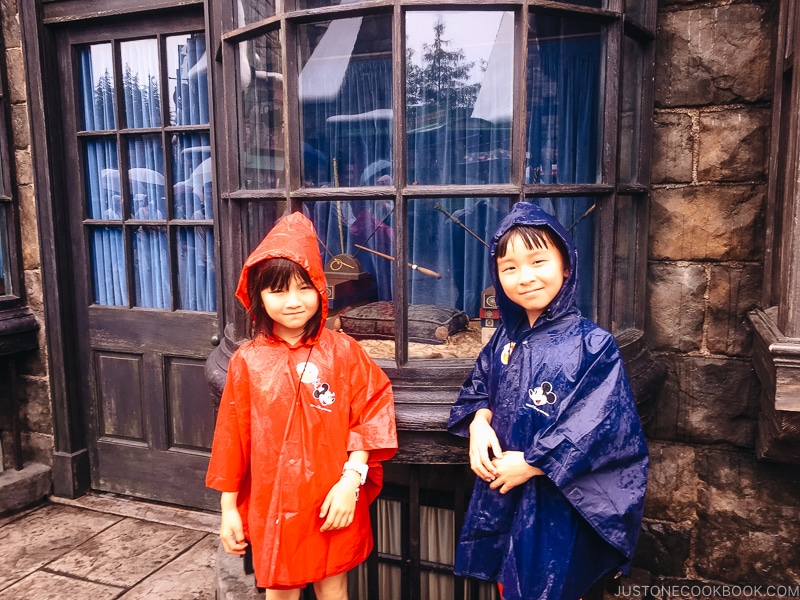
[(102, 547)]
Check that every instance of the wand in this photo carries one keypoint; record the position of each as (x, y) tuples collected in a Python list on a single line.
[(422, 270), (455, 220)]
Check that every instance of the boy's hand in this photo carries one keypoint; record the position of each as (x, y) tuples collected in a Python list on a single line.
[(512, 470), (340, 505), (481, 438), (231, 532)]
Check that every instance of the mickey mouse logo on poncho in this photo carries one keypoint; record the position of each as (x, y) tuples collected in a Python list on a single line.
[(542, 394), (323, 393)]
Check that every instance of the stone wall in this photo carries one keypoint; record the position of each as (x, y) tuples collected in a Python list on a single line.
[(714, 513), (35, 412)]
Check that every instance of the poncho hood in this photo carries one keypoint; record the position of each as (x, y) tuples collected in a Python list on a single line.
[(511, 313), (294, 238)]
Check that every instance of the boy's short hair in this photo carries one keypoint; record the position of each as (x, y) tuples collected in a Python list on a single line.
[(276, 274), (533, 236)]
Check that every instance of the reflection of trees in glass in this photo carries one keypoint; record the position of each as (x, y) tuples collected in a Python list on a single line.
[(142, 98), (104, 94), (444, 76)]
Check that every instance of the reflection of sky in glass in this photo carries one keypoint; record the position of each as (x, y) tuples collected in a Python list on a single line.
[(472, 31), (174, 57), (101, 62)]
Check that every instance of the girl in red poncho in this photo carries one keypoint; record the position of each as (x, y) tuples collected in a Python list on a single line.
[(304, 421)]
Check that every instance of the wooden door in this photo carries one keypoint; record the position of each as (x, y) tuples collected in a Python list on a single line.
[(138, 195)]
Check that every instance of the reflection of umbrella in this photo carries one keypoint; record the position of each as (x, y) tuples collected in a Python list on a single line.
[(110, 178), (375, 170)]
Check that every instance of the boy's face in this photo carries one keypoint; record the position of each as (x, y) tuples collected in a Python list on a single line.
[(531, 278), (291, 308)]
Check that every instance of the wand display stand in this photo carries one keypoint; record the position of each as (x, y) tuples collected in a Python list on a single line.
[(348, 284), (490, 316)]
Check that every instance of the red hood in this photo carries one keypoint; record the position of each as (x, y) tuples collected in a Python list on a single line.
[(295, 238)]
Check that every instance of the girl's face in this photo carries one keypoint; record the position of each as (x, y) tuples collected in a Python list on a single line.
[(531, 277), (291, 308)]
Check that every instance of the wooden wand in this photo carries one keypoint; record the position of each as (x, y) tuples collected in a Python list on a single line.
[(422, 270)]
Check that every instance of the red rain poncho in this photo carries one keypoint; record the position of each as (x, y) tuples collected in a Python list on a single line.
[(281, 441)]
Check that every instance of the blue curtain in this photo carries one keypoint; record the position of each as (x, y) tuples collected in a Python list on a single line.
[(191, 170)]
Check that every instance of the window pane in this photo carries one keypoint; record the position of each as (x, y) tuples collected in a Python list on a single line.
[(345, 88), (97, 88), (191, 169), (564, 79), (355, 275), (627, 216), (252, 11), (257, 218), (108, 266), (151, 267), (104, 200), (187, 72), (146, 178), (577, 215), (5, 256), (261, 113), (630, 112), (459, 83), (140, 83), (196, 274)]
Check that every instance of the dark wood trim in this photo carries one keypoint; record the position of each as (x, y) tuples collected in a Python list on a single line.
[(69, 11), (70, 472)]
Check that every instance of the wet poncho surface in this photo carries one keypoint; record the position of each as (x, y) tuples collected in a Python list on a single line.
[(558, 392), (288, 418)]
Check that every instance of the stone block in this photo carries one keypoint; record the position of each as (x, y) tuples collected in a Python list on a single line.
[(35, 412), (672, 484), (19, 489), (707, 401), (16, 75), (707, 223), (732, 291), (20, 126), (663, 548), (733, 145), (676, 306), (748, 528), (28, 228), (672, 148), (11, 28), (24, 167), (714, 55)]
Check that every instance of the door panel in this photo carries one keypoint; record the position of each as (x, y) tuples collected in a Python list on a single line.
[(139, 195)]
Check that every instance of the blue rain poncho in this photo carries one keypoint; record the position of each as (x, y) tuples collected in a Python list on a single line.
[(558, 392)]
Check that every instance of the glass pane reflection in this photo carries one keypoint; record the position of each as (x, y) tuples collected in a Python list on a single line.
[(5, 258), (97, 88), (146, 178), (261, 113), (197, 288), (187, 72), (459, 82), (625, 263), (630, 111), (253, 11), (140, 82), (345, 88), (564, 108), (151, 267), (191, 169)]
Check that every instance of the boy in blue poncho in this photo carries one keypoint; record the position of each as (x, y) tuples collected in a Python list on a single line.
[(555, 439)]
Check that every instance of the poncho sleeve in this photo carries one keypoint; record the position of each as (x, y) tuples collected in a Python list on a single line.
[(230, 450), (595, 451), (372, 420), (474, 394)]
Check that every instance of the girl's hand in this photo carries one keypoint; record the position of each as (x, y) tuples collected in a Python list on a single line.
[(481, 438), (231, 532), (339, 506), (512, 470)]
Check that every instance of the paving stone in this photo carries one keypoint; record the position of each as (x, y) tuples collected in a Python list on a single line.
[(43, 584), (127, 552), (188, 577), (45, 535)]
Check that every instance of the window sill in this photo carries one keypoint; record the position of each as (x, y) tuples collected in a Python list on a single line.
[(776, 360), (18, 331)]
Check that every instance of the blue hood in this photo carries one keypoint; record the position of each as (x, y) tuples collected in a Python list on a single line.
[(513, 315)]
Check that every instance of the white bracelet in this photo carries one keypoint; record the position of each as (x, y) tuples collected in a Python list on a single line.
[(355, 485), (358, 467)]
